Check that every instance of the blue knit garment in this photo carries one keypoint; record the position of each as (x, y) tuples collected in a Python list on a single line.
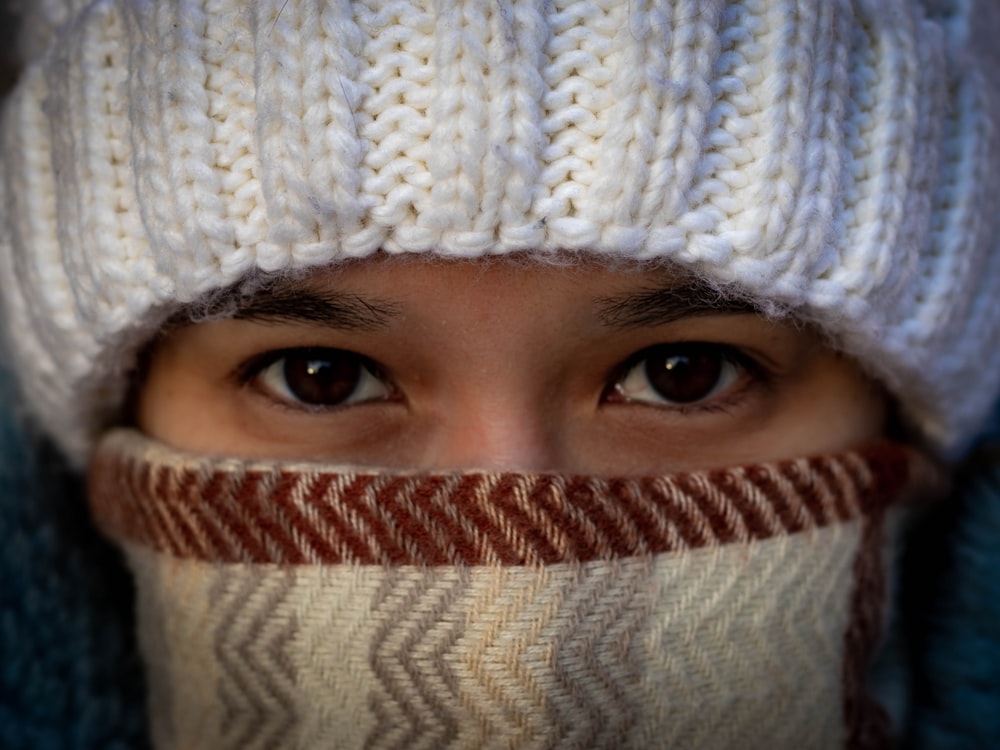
[(951, 603), (70, 676)]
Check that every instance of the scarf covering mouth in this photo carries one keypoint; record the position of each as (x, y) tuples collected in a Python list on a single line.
[(300, 605)]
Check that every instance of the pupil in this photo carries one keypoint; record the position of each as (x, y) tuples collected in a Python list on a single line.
[(322, 381), (685, 376)]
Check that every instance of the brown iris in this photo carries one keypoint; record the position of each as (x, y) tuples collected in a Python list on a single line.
[(685, 373), (322, 380)]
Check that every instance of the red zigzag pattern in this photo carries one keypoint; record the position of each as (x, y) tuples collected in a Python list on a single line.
[(239, 512)]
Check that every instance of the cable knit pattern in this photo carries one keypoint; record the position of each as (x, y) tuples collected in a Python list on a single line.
[(832, 159)]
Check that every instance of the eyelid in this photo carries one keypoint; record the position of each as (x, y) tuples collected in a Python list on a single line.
[(252, 365), (250, 371), (754, 372)]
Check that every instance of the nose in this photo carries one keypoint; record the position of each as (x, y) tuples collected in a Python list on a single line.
[(495, 435)]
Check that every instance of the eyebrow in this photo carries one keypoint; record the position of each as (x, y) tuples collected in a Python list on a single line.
[(329, 308), (655, 306)]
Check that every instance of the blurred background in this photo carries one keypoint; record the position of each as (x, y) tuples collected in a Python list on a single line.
[(8, 47)]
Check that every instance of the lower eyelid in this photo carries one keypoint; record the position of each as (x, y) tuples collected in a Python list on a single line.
[(249, 374), (753, 373), (725, 403)]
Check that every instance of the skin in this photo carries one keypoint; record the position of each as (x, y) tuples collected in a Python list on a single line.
[(504, 365)]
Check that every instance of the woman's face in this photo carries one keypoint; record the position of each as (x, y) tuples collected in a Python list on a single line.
[(430, 365)]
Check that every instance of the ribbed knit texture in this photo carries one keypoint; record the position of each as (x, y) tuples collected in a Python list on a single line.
[(300, 606), (834, 158)]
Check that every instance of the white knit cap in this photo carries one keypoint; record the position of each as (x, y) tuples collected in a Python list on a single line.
[(837, 159)]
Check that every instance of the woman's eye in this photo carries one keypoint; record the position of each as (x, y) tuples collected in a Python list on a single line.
[(321, 378), (679, 374)]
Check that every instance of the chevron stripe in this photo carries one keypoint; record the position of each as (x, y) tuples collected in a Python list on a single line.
[(634, 653), (253, 628), (417, 686), (334, 606), (241, 512), (503, 695), (549, 662), (593, 701), (755, 638)]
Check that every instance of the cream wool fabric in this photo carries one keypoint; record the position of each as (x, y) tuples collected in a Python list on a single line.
[(302, 605), (250, 656), (835, 159)]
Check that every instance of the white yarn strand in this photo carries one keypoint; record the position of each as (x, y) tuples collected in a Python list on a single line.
[(815, 220), (309, 149), (399, 43), (455, 213), (59, 349), (521, 30), (692, 46), (766, 170), (576, 115), (116, 280)]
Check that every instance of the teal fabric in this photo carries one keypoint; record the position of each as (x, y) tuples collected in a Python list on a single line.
[(951, 609), (69, 671)]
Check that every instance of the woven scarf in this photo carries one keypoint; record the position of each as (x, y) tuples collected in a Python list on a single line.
[(305, 606)]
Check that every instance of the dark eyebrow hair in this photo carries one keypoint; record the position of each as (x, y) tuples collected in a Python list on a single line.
[(659, 305), (329, 308)]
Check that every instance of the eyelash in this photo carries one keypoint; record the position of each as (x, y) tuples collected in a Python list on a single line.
[(750, 372), (253, 370)]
